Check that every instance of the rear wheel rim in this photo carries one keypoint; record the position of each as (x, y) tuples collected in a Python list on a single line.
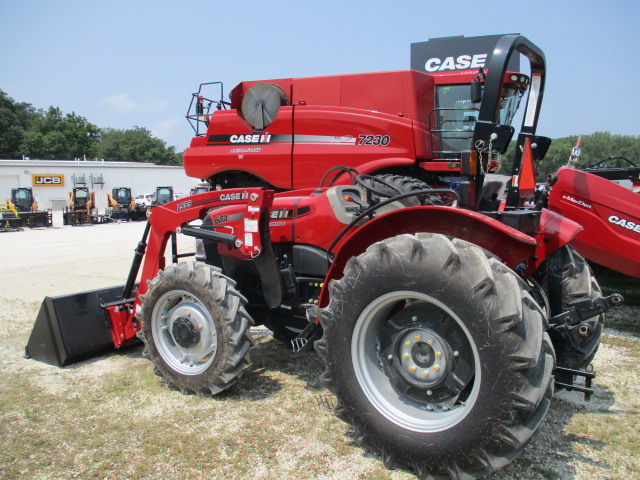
[(184, 332), (397, 407)]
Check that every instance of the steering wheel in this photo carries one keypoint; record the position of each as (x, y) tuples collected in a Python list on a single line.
[(367, 182), (602, 163)]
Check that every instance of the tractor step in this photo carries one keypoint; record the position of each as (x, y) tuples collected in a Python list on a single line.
[(304, 341), (568, 375)]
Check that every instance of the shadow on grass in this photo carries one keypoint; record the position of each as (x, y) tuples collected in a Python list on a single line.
[(575, 432), (271, 355)]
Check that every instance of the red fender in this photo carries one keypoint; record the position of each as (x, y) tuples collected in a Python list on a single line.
[(555, 231), (509, 244)]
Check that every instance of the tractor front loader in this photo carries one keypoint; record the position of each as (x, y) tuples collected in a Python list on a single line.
[(430, 323), (444, 330)]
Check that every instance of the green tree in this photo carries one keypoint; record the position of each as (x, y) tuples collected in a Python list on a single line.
[(53, 135), (594, 147), (136, 145), (14, 119)]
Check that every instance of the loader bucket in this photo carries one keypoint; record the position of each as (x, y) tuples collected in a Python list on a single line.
[(70, 328)]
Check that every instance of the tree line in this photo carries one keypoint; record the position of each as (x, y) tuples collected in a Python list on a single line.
[(50, 134), (593, 148)]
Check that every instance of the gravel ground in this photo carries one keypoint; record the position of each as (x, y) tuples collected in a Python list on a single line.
[(110, 417)]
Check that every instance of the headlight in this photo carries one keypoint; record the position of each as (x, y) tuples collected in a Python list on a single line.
[(201, 256)]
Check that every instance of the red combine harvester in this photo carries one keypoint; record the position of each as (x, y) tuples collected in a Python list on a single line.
[(443, 329), (287, 133)]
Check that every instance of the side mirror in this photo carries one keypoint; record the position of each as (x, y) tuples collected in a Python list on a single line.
[(476, 91)]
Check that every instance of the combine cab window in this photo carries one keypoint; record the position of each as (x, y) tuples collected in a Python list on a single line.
[(455, 117), (509, 103)]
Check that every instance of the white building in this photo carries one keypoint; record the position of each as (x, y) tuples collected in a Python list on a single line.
[(53, 180)]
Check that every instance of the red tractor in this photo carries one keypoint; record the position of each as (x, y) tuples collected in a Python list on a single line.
[(443, 329)]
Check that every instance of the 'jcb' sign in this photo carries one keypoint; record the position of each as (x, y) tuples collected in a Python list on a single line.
[(47, 180)]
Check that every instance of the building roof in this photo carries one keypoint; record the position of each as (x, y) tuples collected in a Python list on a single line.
[(81, 164)]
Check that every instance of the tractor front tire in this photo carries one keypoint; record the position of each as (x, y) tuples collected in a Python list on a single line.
[(195, 328), (438, 356)]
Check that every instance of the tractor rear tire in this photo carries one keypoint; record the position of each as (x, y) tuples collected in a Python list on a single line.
[(438, 356), (195, 328), (566, 276), (407, 185)]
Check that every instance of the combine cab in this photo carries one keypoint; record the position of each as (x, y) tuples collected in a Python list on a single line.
[(444, 330)]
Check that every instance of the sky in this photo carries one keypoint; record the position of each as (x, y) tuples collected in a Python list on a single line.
[(122, 64)]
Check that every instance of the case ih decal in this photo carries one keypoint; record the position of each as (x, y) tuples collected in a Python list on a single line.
[(623, 222), (227, 197), (261, 139), (463, 62), (235, 139)]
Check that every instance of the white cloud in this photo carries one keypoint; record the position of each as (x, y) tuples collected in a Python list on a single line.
[(123, 103), (167, 129)]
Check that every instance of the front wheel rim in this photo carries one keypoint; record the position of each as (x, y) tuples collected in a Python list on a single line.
[(396, 406), (184, 332)]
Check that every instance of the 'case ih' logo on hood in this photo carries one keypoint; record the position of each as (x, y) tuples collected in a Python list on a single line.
[(251, 139), (226, 197)]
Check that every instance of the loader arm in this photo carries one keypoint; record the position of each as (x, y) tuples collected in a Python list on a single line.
[(174, 217)]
